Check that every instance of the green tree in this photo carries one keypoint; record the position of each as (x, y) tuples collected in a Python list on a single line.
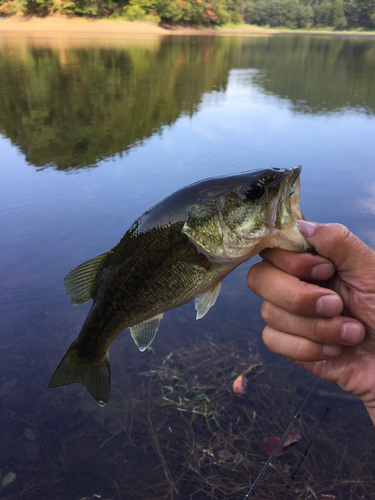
[(259, 12), (249, 7), (169, 10), (292, 13), (305, 16), (194, 11), (339, 19), (364, 13), (219, 7), (324, 13), (276, 13)]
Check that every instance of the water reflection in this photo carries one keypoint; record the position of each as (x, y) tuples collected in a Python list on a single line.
[(72, 105), (71, 108), (319, 75)]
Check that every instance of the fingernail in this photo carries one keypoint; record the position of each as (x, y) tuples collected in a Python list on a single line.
[(328, 305), (331, 351), (353, 333), (307, 229), (322, 271)]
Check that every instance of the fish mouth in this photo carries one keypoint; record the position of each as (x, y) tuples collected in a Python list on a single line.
[(293, 192), (288, 211), (293, 175), (289, 194)]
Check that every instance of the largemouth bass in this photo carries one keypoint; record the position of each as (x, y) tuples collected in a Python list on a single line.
[(181, 249)]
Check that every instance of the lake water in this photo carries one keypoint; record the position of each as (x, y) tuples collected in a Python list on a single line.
[(94, 132)]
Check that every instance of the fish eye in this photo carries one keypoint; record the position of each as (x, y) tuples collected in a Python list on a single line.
[(255, 192)]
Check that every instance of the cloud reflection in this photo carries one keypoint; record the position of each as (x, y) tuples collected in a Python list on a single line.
[(368, 205)]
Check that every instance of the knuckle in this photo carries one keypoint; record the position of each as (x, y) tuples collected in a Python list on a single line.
[(267, 338), (294, 263), (320, 329), (301, 349), (340, 233), (297, 299), (300, 264), (266, 312)]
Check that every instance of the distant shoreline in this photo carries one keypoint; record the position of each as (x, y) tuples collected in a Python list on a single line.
[(58, 25), (283, 31)]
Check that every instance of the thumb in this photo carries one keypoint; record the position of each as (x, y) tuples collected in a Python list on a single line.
[(335, 242)]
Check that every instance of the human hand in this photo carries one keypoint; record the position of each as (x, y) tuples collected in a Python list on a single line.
[(320, 309)]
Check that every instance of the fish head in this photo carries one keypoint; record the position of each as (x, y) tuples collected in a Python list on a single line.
[(260, 211)]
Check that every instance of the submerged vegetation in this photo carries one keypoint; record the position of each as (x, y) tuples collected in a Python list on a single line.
[(209, 442), (178, 431), (337, 14)]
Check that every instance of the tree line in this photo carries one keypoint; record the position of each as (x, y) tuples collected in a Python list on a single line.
[(338, 14)]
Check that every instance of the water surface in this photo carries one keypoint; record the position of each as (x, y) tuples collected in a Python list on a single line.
[(95, 132)]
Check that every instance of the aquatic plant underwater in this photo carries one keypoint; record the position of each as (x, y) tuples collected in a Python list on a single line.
[(181, 432), (210, 441)]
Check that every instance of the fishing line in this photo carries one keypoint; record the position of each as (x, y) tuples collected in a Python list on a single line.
[(296, 415), (306, 452)]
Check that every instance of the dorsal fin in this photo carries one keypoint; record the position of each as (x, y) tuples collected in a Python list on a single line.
[(207, 300), (79, 283), (144, 333)]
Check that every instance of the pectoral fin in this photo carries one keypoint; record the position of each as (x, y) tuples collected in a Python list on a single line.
[(79, 283), (144, 333), (206, 301)]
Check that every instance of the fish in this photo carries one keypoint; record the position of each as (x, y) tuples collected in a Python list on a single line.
[(179, 250)]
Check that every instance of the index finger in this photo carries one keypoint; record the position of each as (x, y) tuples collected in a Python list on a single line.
[(306, 266), (291, 294)]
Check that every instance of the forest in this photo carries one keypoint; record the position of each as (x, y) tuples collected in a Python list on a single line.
[(292, 14)]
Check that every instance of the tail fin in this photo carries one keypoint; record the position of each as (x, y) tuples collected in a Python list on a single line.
[(96, 376)]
